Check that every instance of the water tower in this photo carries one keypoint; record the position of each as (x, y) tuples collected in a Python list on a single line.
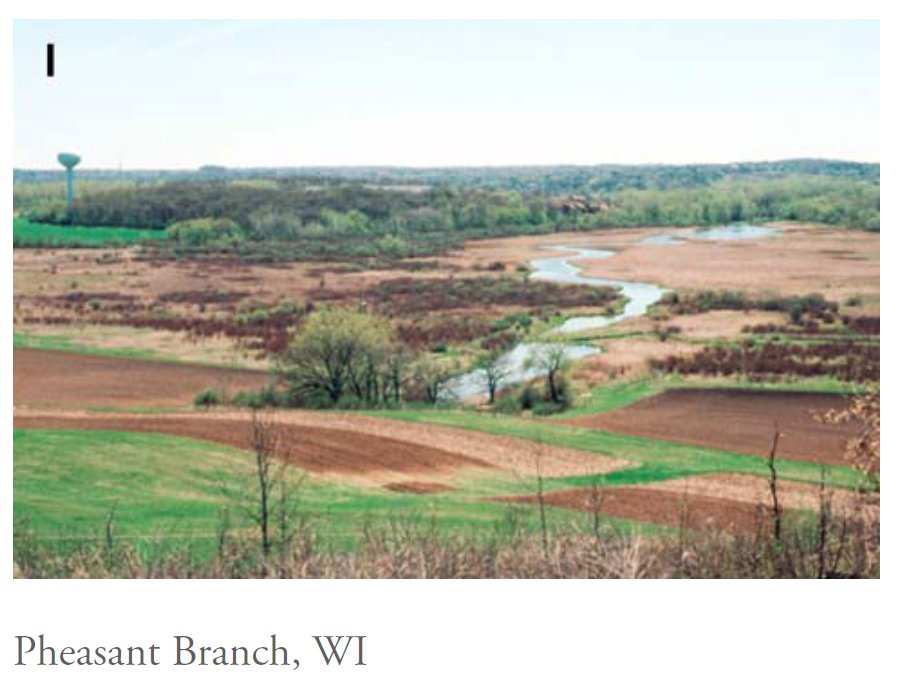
[(69, 161)]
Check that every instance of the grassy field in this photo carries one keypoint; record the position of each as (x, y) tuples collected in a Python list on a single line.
[(27, 233), (163, 490)]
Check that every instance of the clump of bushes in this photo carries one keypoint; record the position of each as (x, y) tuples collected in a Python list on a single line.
[(269, 396), (796, 307), (207, 233), (531, 398), (210, 397)]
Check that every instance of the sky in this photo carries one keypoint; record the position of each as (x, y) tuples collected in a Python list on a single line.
[(181, 94)]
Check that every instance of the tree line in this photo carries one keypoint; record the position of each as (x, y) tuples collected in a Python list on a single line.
[(291, 218)]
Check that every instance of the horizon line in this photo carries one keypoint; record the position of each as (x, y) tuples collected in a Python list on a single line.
[(500, 166)]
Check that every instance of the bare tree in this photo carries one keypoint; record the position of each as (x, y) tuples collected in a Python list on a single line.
[(775, 501), (551, 358), (494, 368), (269, 496)]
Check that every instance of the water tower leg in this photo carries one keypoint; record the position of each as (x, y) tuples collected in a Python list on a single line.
[(69, 188)]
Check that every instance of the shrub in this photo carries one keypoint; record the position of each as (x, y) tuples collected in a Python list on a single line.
[(529, 397), (210, 397), (547, 408), (273, 224), (257, 400), (207, 232)]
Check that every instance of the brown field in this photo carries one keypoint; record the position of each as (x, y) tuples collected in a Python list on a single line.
[(735, 420), (709, 502), (696, 512), (44, 377)]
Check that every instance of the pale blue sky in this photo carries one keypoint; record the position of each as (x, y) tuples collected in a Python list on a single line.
[(175, 94)]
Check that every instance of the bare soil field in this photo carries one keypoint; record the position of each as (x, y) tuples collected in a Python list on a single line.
[(696, 512), (516, 455), (735, 420), (45, 377)]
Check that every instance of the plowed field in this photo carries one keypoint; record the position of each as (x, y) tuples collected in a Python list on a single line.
[(47, 377), (735, 420)]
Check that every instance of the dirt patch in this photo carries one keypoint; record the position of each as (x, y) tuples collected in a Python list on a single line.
[(648, 505), (735, 420), (45, 377), (418, 487)]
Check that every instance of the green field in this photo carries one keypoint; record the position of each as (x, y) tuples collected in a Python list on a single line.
[(27, 233), (166, 490)]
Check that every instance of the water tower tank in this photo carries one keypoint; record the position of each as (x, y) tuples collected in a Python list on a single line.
[(68, 160)]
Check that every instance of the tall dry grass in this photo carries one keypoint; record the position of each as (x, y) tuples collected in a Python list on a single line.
[(829, 546)]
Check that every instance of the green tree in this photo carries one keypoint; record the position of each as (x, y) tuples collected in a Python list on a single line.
[(338, 352)]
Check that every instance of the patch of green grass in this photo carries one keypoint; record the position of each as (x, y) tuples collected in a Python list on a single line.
[(167, 489), (611, 396), (809, 384), (63, 343), (27, 233)]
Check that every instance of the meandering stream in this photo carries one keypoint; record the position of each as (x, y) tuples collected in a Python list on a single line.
[(519, 365)]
